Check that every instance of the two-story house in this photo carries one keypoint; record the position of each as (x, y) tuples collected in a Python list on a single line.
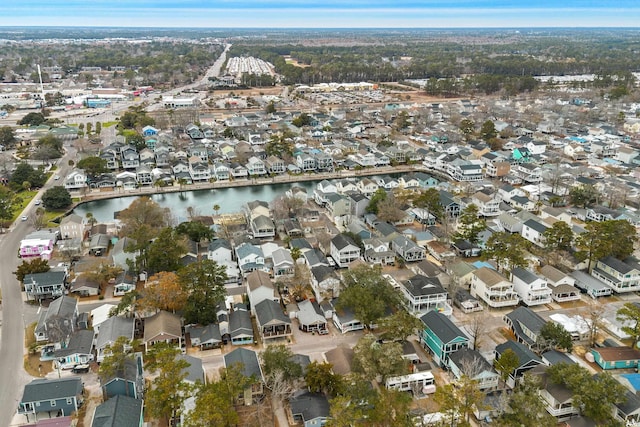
[(63, 396), (47, 285), (493, 288), (533, 231), (343, 250), (525, 324), (441, 337), (531, 288), (75, 180), (407, 249), (250, 258), (621, 276), (423, 294)]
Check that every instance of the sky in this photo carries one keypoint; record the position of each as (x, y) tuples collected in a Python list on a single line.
[(322, 13)]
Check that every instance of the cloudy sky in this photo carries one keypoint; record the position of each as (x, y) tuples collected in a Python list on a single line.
[(322, 13)]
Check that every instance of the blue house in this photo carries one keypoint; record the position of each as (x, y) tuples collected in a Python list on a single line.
[(149, 131), (616, 357), (128, 381), (441, 337), (60, 396)]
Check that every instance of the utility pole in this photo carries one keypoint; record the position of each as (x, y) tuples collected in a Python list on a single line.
[(42, 105)]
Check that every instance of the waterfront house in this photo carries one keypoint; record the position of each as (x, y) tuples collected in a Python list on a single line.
[(72, 227)]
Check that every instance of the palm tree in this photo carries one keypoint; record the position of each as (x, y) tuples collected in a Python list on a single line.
[(91, 220), (216, 209)]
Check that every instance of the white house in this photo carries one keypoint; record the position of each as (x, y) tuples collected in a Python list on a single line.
[(532, 289), (533, 231), (344, 250), (493, 288)]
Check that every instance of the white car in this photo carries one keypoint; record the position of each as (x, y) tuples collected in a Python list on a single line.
[(57, 177), (24, 218), (38, 202)]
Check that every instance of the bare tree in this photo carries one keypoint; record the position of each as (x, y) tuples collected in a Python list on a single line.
[(592, 315), (472, 366), (477, 327)]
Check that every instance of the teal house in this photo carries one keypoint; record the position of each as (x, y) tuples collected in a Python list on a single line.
[(616, 357), (441, 337)]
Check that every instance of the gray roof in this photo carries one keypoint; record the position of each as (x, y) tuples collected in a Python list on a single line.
[(194, 371), (119, 411), (52, 277), (309, 313), (322, 272), (420, 285), (44, 389), (523, 316), (309, 405), (341, 241), (80, 343), (113, 328), (466, 355), (219, 243), (247, 358), (99, 241), (208, 333), (62, 307), (524, 275), (524, 354), (269, 311), (240, 323), (618, 265), (442, 326), (535, 225), (555, 357)]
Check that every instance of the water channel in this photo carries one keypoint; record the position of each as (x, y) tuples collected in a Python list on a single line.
[(202, 201)]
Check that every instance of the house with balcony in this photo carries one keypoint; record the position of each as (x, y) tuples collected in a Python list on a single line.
[(441, 337), (72, 227), (561, 284), (271, 320), (488, 204), (628, 411), (250, 258), (47, 285), (250, 368), (260, 288), (324, 282), (407, 249), (338, 205), (111, 157), (57, 322), (367, 186), (221, 171), (240, 326), (377, 252), (531, 288), (465, 170), (75, 180), (343, 250), (306, 162), (130, 158), (528, 172), (198, 169), (557, 398), (275, 165), (493, 288), (423, 294), (256, 167), (621, 276), (144, 175)]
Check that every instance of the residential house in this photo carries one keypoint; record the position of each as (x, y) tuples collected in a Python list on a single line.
[(525, 325), (340, 358), (527, 360), (162, 327), (220, 251), (423, 294), (72, 227), (119, 254), (441, 337), (109, 331), (628, 410), (616, 357), (206, 337), (124, 282), (493, 288), (377, 252), (310, 409), (275, 165), (621, 276), (262, 227), (250, 258), (407, 249), (343, 250), (592, 286), (221, 171), (311, 318), (533, 231), (144, 175), (47, 285), (325, 282), (367, 186), (62, 396), (260, 288), (129, 157), (199, 169), (561, 284), (77, 352), (465, 302), (240, 326), (250, 367), (338, 205), (57, 322), (36, 246), (472, 364), (531, 288), (126, 381), (343, 318), (271, 321), (558, 399), (256, 167), (119, 411), (488, 204), (306, 162), (75, 180)]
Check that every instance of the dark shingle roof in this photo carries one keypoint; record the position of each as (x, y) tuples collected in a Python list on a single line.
[(420, 285), (525, 316), (247, 358), (268, 311), (310, 405), (43, 389), (119, 411), (524, 354), (442, 326)]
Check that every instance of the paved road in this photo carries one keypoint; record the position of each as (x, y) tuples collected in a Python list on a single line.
[(15, 315)]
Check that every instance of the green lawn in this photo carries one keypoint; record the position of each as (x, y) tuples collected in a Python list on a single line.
[(21, 201), (108, 124)]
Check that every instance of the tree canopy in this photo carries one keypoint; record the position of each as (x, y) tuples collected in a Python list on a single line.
[(24, 172), (607, 238), (629, 315), (57, 198), (93, 165), (36, 265), (470, 224), (203, 281)]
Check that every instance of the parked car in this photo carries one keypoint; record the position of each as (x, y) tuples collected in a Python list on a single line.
[(80, 369), (24, 218)]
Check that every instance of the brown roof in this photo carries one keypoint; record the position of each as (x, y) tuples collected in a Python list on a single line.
[(258, 278), (610, 354), (341, 359), (162, 325), (489, 277), (552, 273)]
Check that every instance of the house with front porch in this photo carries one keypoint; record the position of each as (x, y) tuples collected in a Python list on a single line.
[(77, 352), (527, 360), (472, 364), (525, 324), (557, 398), (256, 167), (621, 275), (423, 294), (47, 285), (240, 326), (325, 282), (75, 180), (41, 396), (407, 249), (441, 337), (493, 288), (57, 322), (260, 288), (271, 320), (488, 203), (250, 258), (343, 250), (531, 288), (162, 327)]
